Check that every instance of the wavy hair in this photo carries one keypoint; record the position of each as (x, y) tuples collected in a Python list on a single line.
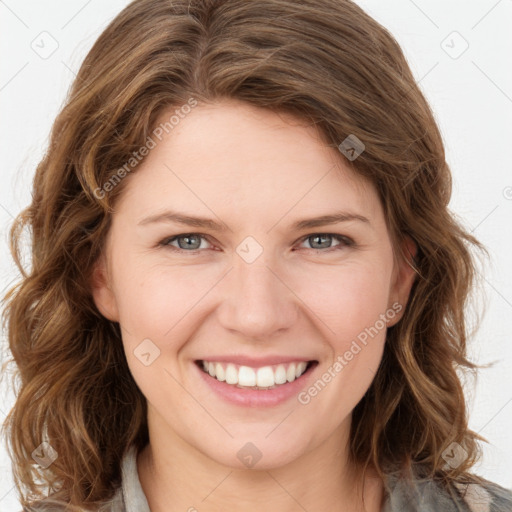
[(324, 61)]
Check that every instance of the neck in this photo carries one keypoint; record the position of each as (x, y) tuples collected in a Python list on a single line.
[(177, 477)]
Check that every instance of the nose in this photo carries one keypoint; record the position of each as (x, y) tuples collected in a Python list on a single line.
[(257, 302)]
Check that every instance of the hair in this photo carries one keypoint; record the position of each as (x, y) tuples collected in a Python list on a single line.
[(326, 62)]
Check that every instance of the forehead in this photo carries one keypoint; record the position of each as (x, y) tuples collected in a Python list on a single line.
[(233, 155)]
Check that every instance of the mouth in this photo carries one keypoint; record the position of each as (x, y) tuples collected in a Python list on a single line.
[(261, 378)]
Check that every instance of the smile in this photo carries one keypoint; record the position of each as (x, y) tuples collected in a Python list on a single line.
[(246, 377)]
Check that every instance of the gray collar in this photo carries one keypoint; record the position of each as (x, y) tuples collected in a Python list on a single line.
[(423, 496), (132, 493)]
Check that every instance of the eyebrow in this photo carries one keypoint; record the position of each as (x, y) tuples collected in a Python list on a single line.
[(201, 222)]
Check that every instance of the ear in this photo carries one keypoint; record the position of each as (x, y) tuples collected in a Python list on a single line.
[(404, 276), (101, 290)]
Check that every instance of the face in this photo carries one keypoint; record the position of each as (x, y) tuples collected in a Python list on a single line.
[(250, 294)]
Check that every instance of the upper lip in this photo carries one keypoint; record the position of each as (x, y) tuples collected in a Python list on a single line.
[(255, 362)]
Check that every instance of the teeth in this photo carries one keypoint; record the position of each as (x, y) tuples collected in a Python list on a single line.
[(290, 373), (300, 369), (246, 376), (265, 377), (257, 378), (280, 374), (220, 374), (231, 374)]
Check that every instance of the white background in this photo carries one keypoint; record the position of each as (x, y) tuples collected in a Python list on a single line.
[(471, 96)]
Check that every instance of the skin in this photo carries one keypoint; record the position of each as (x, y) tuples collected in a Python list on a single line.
[(257, 172)]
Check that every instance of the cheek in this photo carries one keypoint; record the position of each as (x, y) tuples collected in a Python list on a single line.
[(358, 340), (347, 299), (153, 300), (156, 312)]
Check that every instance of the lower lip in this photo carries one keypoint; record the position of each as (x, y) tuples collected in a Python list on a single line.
[(257, 397)]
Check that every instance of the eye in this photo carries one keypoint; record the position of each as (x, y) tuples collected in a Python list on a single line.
[(321, 241), (191, 242)]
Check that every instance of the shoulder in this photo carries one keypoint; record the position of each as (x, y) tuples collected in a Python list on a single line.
[(422, 494), (486, 496), (128, 497)]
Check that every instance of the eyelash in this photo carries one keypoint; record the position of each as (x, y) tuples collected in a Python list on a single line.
[(345, 242)]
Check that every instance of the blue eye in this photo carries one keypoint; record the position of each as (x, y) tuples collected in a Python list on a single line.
[(191, 242), (344, 241)]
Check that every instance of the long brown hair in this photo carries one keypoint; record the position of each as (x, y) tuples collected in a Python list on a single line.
[(325, 61)]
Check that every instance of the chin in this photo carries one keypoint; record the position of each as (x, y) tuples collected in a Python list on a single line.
[(256, 452)]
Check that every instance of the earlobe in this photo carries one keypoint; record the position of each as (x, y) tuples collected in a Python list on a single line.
[(101, 291), (405, 276)]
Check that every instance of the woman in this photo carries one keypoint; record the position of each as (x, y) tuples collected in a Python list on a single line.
[(247, 289)]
